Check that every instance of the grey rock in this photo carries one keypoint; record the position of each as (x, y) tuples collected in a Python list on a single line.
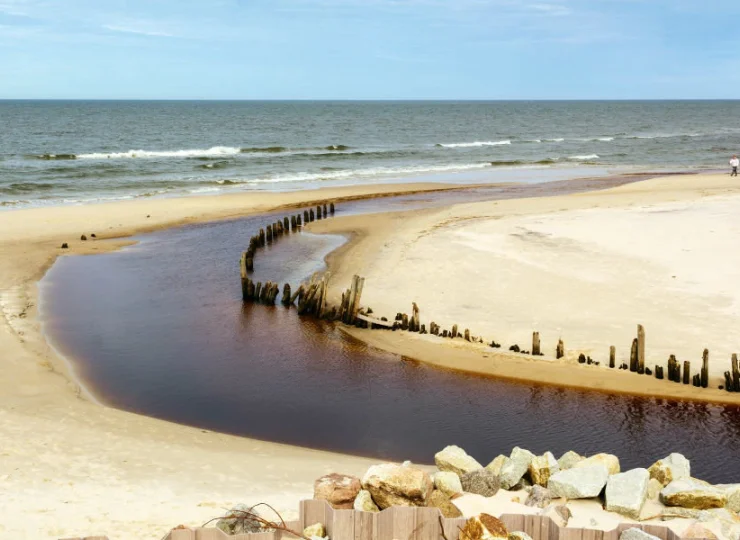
[(239, 521), (636, 534), (579, 482), (539, 497), (448, 483), (515, 467), (673, 467), (364, 502), (626, 492), (455, 459), (481, 482), (569, 460)]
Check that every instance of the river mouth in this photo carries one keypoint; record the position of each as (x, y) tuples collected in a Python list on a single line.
[(159, 328)]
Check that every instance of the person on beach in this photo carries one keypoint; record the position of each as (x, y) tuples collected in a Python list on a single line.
[(734, 163)]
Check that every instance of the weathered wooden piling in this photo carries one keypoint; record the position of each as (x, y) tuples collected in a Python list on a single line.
[(298, 220), (686, 372), (466, 334), (351, 300), (318, 211), (705, 369), (658, 372), (286, 224), (453, 332), (434, 328), (311, 216), (612, 356), (672, 366), (728, 381), (257, 291), (250, 264), (640, 348), (735, 373), (404, 322), (285, 300), (536, 344), (325, 212), (296, 295), (414, 324), (633, 356), (262, 238), (306, 216), (697, 380), (331, 208), (293, 223), (560, 349), (268, 234)]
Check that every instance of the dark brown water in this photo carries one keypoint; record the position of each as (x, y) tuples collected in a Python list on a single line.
[(159, 328)]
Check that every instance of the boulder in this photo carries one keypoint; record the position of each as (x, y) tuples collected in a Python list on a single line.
[(654, 488), (610, 461), (240, 520), (539, 497), (364, 502), (448, 483), (674, 467), (519, 535), (732, 491), (692, 493), (542, 467), (626, 492), (339, 490), (484, 527), (558, 513), (316, 530), (439, 500), (636, 534), (481, 482), (515, 467), (569, 459), (396, 485), (579, 482), (455, 459), (496, 464)]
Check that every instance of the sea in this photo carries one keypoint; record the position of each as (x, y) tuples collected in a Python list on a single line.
[(76, 152)]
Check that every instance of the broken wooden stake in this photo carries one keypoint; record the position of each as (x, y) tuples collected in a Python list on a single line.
[(536, 344)]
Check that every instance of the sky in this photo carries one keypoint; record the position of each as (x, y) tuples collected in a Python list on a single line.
[(369, 49)]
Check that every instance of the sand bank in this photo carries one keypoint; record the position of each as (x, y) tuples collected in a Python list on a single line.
[(586, 268), (70, 467)]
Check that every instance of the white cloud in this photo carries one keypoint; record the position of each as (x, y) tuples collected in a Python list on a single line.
[(142, 31)]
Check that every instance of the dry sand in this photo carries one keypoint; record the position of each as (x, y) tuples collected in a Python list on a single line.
[(586, 268), (70, 467)]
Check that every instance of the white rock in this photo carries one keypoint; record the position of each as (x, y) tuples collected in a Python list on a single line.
[(448, 483), (626, 492), (515, 467), (733, 496), (674, 467), (455, 459), (496, 464), (364, 502), (610, 461), (579, 482), (569, 459), (636, 534), (693, 493)]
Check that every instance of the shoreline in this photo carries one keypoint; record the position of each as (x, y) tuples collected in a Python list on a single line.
[(391, 237)]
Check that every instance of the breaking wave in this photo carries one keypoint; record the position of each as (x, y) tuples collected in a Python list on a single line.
[(589, 157), (133, 154), (474, 144), (20, 188)]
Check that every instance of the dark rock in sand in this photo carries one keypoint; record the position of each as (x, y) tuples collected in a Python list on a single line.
[(481, 482)]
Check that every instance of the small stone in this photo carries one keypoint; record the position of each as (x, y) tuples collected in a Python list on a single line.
[(240, 520), (496, 464), (364, 502), (636, 534), (626, 492), (569, 459), (481, 482), (83, 238), (692, 493), (93, 235), (439, 500), (316, 530), (538, 497), (542, 467), (515, 467), (674, 467), (65, 245), (610, 461), (484, 527), (339, 490), (455, 459), (448, 483), (396, 485), (519, 535), (579, 482)]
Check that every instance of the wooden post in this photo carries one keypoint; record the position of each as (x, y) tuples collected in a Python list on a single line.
[(306, 216), (325, 214), (318, 212), (311, 215), (658, 372), (535, 343), (672, 368), (404, 322), (293, 223), (262, 237), (728, 381), (331, 208), (466, 334), (286, 224), (298, 220), (560, 349), (454, 331), (434, 328), (612, 356), (257, 291), (697, 380), (286, 295), (268, 234), (735, 374), (640, 348), (705, 369), (686, 372), (633, 356), (415, 323)]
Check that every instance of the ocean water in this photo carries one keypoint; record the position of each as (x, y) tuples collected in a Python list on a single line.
[(71, 152)]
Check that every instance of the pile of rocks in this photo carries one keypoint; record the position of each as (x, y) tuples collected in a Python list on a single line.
[(543, 482)]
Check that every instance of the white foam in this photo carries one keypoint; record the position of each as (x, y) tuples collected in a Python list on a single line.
[(583, 158), (605, 139), (475, 144), (131, 154), (554, 140)]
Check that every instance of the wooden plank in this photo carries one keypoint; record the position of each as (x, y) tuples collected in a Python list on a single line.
[(656, 530), (513, 522), (568, 533), (404, 522), (343, 525), (181, 534), (211, 534), (365, 525), (373, 320), (531, 525), (312, 511), (452, 527), (384, 525), (611, 535), (544, 528), (427, 524)]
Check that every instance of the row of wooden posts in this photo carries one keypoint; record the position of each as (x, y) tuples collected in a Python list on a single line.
[(311, 299)]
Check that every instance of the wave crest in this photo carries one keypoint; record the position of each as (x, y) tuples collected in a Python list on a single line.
[(475, 144), (133, 154)]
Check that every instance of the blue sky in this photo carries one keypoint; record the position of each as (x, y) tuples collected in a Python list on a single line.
[(369, 49)]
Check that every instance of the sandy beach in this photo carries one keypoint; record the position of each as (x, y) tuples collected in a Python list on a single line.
[(586, 268), (70, 466)]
